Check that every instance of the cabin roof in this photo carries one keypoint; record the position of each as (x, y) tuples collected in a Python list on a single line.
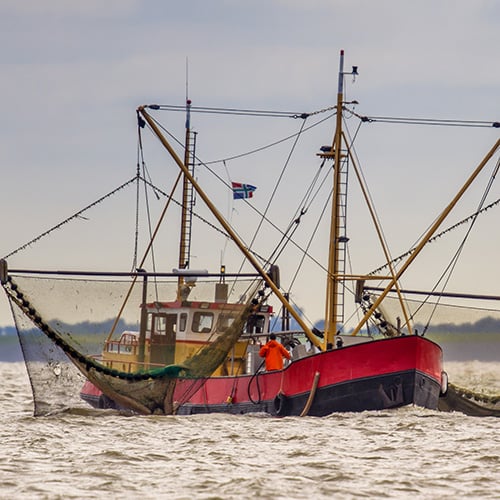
[(186, 304)]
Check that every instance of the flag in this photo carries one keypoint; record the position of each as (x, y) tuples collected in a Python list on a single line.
[(241, 191)]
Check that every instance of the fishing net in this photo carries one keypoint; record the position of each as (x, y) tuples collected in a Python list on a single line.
[(65, 325)]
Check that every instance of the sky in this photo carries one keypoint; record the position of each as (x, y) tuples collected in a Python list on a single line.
[(73, 74)]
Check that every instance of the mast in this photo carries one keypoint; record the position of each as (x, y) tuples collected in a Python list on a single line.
[(186, 214), (332, 284)]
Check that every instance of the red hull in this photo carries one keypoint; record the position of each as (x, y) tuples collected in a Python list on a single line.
[(369, 376)]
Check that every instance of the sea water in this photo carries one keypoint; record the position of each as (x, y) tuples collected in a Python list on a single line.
[(406, 453)]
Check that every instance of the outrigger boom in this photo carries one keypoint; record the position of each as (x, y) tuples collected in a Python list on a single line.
[(227, 227), (427, 236)]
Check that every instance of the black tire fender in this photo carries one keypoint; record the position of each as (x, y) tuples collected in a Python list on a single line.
[(280, 404)]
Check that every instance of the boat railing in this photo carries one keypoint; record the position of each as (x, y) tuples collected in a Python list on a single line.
[(127, 344), (127, 366)]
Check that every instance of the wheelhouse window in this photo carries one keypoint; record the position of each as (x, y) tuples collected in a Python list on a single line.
[(183, 322), (164, 324), (224, 322), (203, 322), (255, 323), (159, 324)]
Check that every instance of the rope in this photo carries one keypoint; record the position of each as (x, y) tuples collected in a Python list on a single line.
[(268, 146), (309, 243), (75, 216), (255, 377), (437, 236), (312, 393)]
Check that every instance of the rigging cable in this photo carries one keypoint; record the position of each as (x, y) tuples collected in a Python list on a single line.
[(454, 260), (145, 173), (305, 203), (272, 144), (473, 217), (230, 213), (280, 177), (148, 207), (309, 243), (352, 150), (363, 118), (240, 112), (77, 215), (263, 216), (369, 196), (137, 198), (252, 207), (305, 252), (427, 121), (437, 236)]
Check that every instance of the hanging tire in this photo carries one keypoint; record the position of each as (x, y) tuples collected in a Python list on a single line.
[(280, 404)]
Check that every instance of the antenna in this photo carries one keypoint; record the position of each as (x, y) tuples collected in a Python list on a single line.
[(188, 101), (187, 78)]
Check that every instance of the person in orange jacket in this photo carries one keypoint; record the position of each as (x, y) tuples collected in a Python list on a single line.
[(274, 352)]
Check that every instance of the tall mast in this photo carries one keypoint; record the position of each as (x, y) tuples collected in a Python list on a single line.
[(186, 208), (332, 283)]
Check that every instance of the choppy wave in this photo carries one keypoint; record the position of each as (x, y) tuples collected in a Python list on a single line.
[(405, 453)]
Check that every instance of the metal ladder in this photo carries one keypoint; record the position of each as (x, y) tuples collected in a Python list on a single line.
[(190, 200), (343, 239)]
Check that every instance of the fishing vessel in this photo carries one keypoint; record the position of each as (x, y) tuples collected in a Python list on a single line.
[(196, 348)]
